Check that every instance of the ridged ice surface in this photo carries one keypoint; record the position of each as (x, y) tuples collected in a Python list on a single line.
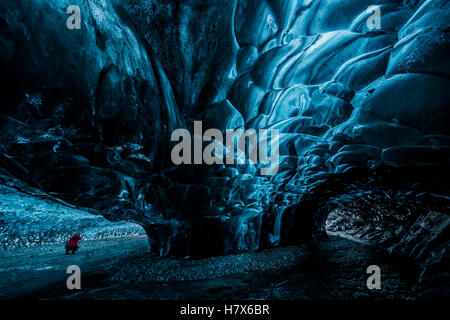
[(342, 96), (89, 116)]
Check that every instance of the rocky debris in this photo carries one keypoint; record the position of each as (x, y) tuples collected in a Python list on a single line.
[(334, 269)]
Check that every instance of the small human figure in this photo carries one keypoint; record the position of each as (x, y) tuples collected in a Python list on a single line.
[(250, 237), (72, 244)]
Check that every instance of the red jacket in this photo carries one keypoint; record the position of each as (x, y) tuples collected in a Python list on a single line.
[(73, 242)]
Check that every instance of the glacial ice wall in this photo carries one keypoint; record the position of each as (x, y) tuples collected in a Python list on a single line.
[(87, 114), (344, 97)]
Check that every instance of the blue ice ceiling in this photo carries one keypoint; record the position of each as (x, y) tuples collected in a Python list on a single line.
[(87, 114)]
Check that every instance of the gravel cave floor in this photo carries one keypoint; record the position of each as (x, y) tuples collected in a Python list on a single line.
[(332, 269)]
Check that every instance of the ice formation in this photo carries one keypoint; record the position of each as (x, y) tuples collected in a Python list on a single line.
[(86, 115)]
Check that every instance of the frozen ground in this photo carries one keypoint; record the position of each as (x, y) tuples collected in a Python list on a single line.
[(334, 269), (33, 232), (27, 270)]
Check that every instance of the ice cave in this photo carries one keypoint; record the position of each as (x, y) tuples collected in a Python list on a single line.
[(359, 92)]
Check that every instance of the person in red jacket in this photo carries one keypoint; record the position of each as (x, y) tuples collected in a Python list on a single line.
[(72, 244)]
